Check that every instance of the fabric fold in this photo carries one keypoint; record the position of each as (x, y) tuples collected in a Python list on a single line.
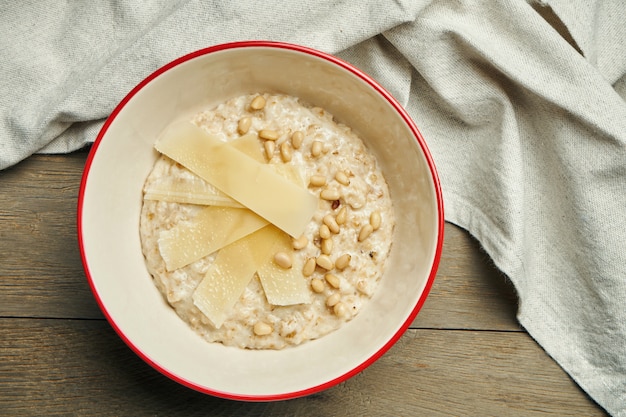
[(542, 181)]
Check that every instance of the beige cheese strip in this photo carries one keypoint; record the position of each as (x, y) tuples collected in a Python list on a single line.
[(291, 173), (235, 266), (253, 184), (282, 286), (210, 230), (194, 190), (250, 145), (225, 281)]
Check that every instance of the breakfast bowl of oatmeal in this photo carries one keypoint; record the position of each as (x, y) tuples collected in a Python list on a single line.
[(260, 221)]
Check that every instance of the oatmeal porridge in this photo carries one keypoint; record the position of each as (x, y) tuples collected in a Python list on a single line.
[(324, 273)]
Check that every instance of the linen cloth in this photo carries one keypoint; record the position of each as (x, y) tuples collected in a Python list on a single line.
[(522, 104)]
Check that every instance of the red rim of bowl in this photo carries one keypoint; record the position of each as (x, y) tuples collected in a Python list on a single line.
[(373, 84)]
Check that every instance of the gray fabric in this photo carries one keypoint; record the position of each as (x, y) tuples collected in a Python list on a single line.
[(523, 105)]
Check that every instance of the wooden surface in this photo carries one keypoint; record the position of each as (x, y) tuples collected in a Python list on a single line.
[(465, 354)]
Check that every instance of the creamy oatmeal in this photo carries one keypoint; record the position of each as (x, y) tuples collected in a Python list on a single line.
[(341, 254)]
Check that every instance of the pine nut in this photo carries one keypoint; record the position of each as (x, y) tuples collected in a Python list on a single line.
[(244, 125), (269, 147), (283, 260), (257, 103), (340, 309), (342, 178), (342, 216), (333, 280), (317, 285), (324, 232), (323, 261), (375, 220), (365, 232), (327, 246), (316, 148), (268, 134), (309, 267), (317, 180), (343, 261), (329, 194), (285, 152), (296, 139), (300, 243), (361, 286), (262, 329), (333, 299), (330, 221)]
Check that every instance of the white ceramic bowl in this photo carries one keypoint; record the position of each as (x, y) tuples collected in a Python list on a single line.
[(111, 196)]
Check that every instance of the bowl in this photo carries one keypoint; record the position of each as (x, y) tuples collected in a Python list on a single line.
[(110, 201)]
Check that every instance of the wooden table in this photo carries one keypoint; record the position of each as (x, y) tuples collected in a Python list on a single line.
[(465, 354)]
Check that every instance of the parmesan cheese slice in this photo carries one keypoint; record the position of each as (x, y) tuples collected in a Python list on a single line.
[(235, 266), (210, 230), (225, 280), (250, 145), (255, 185), (282, 286), (192, 189), (291, 173)]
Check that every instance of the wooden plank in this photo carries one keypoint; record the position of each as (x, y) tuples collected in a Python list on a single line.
[(469, 292), (80, 367), (40, 265), (43, 275)]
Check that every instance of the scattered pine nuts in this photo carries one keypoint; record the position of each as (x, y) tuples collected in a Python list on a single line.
[(262, 329), (340, 309), (300, 243), (342, 178), (269, 146), (329, 194), (333, 299), (333, 280), (323, 261), (283, 260), (244, 125), (324, 232), (317, 285), (297, 138), (330, 221), (375, 220), (309, 267), (365, 232), (342, 216), (317, 180), (257, 103), (316, 148), (285, 152), (327, 246), (268, 134), (343, 261)]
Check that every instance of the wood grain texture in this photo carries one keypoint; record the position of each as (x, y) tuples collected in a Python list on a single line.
[(80, 367), (469, 292), (40, 261), (464, 355)]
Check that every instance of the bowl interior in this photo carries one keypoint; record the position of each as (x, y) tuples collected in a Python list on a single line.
[(111, 197)]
